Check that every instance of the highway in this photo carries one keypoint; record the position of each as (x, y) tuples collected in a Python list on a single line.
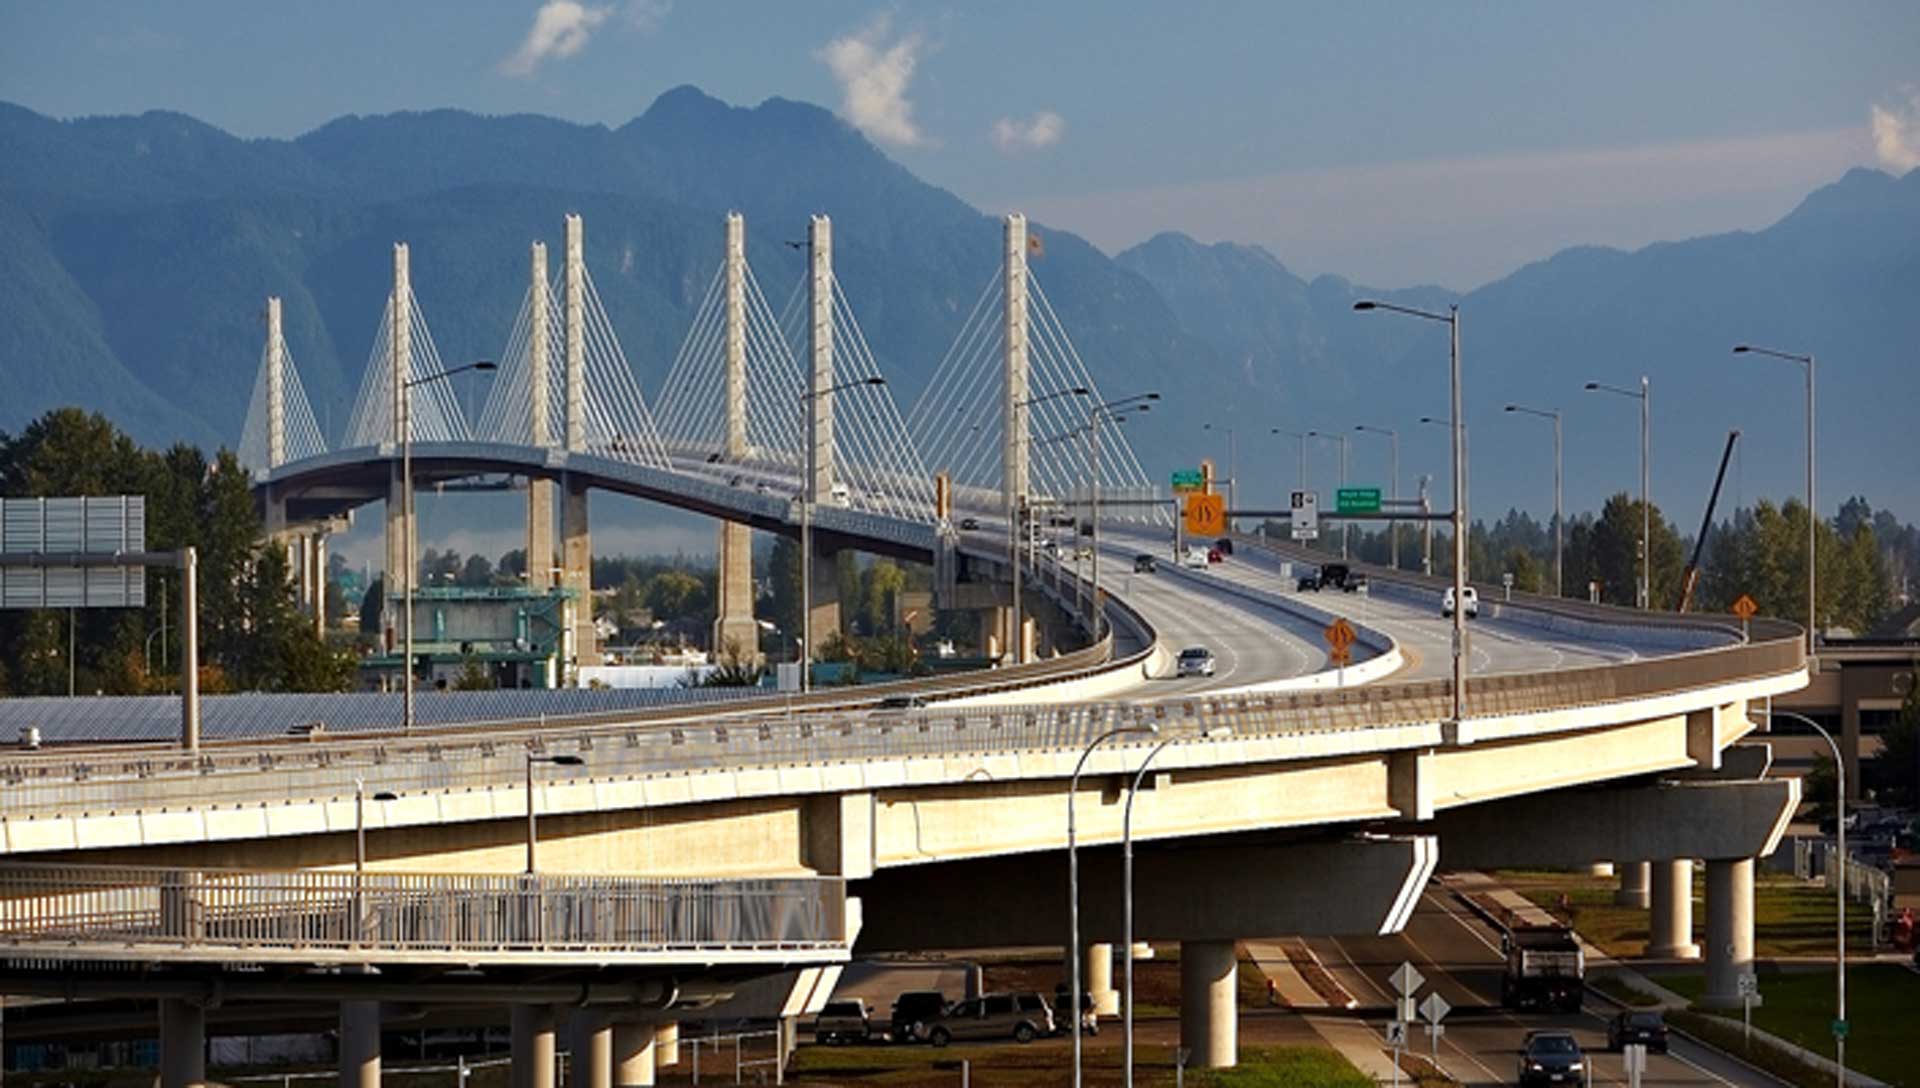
[(1460, 956)]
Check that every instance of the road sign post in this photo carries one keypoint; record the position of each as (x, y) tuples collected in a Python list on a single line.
[(1188, 479), (1435, 1009), (1634, 1058), (1340, 637), (1305, 508), (1745, 607)]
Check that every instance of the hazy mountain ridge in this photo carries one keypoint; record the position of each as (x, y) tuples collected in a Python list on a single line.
[(138, 250)]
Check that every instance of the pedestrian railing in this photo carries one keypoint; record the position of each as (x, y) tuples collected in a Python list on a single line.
[(51, 907)]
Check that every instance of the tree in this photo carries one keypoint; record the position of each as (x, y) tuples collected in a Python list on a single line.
[(1893, 773), (473, 676), (880, 586), (372, 605), (674, 594), (1526, 573), (783, 585), (477, 572)]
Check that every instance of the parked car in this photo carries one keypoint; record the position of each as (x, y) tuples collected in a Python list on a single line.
[(1552, 1057), (1224, 545), (913, 1010), (1063, 1016), (1644, 1026), (992, 1016), (1195, 661), (1144, 564), (843, 1022), (969, 524), (1035, 1004), (1472, 598)]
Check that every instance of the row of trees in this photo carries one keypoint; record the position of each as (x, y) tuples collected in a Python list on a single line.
[(1864, 557), (251, 635)]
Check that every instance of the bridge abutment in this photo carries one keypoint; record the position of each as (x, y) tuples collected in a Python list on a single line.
[(1209, 1025)]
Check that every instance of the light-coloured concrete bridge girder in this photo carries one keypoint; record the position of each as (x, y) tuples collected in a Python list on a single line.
[(1196, 891), (1659, 821)]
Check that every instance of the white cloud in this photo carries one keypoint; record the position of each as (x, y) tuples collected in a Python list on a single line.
[(1896, 133), (1012, 135), (873, 74), (560, 29), (646, 16)]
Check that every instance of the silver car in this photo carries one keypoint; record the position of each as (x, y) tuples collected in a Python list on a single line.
[(1196, 661), (993, 1016)]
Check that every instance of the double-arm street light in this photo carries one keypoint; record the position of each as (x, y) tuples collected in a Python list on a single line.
[(1452, 320), (1807, 362), (1126, 880), (1645, 397), (806, 520), (1393, 527), (405, 426), (1559, 529), (1073, 876), (1342, 439)]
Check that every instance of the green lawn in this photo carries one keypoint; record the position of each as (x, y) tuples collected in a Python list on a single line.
[(1881, 1002), (1036, 1065), (1791, 918)]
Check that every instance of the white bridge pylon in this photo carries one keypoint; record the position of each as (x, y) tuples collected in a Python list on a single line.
[(736, 398), (280, 426), (1013, 360), (403, 351)]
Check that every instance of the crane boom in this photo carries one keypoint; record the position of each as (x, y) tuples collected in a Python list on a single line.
[(1691, 577)]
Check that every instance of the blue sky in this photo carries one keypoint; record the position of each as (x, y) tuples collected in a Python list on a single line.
[(1392, 143)]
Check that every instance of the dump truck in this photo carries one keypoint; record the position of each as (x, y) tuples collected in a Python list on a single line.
[(1546, 969)]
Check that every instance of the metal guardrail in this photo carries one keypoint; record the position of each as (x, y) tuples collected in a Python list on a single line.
[(316, 912)]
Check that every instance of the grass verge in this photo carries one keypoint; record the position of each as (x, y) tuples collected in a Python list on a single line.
[(1798, 1007)]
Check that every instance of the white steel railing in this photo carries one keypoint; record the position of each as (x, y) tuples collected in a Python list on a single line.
[(50, 906)]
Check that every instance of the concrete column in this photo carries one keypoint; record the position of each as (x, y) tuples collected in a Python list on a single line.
[(400, 332), (1850, 694), (634, 1052), (395, 572), (820, 352), (183, 1044), (826, 597), (1670, 929), (1013, 415), (359, 1044), (1633, 885), (1208, 1025), (576, 544), (1099, 976), (666, 1043), (733, 619), (1600, 868), (320, 581), (532, 1031), (540, 494), (399, 570), (276, 387), (593, 1062), (575, 305), (1729, 929)]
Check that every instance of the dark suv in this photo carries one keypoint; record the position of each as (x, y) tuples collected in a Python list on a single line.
[(913, 1010), (1644, 1026)]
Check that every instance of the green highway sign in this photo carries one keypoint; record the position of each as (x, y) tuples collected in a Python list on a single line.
[(1188, 480), (1839, 1029), (1357, 500)]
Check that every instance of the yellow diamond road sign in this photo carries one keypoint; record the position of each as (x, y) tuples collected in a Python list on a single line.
[(1340, 635), (1745, 607)]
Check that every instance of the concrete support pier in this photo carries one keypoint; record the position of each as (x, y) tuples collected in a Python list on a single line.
[(1670, 928), (540, 492), (634, 1053), (826, 597), (1099, 977), (1208, 1025), (577, 571), (533, 1051), (593, 1059), (183, 1044), (666, 1044), (1633, 885), (359, 1044), (1729, 929)]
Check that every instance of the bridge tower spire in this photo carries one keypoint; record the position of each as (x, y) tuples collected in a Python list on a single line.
[(399, 568), (576, 540), (540, 492), (733, 624), (276, 387), (1013, 420), (817, 465)]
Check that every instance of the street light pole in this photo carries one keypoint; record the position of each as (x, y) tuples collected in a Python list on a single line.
[(1393, 526), (1126, 880), (1806, 361), (1645, 396), (1342, 439), (1452, 320), (1073, 879), (1559, 526), (407, 541), (533, 827), (1840, 891)]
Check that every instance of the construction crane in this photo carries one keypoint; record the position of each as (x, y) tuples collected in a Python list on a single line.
[(1690, 578)]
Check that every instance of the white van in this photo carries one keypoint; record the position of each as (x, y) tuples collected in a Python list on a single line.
[(1195, 558), (840, 495), (1473, 603)]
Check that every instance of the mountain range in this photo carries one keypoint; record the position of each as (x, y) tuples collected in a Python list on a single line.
[(135, 253)]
